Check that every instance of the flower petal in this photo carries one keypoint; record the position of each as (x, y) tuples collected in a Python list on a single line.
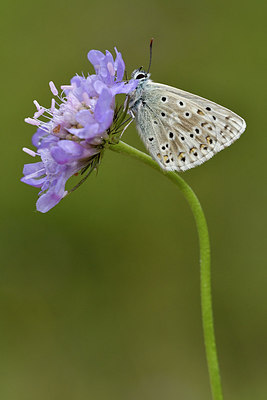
[(122, 87), (106, 121), (42, 138), (85, 117), (47, 201), (99, 86), (96, 57), (119, 66), (32, 168), (66, 151), (103, 105), (34, 174)]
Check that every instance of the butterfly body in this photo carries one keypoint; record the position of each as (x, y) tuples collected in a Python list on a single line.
[(180, 130)]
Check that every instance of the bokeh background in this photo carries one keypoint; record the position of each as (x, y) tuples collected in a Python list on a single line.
[(100, 297)]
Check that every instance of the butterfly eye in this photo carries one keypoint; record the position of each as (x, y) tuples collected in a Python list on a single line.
[(140, 76)]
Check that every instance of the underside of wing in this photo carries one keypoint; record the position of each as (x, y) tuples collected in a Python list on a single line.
[(182, 130)]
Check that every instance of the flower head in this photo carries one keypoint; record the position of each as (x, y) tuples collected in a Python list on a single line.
[(76, 128)]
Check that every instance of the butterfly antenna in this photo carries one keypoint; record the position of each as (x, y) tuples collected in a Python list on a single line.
[(150, 54)]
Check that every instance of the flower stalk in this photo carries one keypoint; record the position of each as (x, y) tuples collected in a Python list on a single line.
[(205, 275)]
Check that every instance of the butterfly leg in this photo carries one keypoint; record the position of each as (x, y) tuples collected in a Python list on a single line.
[(126, 126)]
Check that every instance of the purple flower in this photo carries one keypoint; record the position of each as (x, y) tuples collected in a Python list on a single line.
[(76, 127)]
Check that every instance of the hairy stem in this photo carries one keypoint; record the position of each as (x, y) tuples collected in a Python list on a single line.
[(205, 279)]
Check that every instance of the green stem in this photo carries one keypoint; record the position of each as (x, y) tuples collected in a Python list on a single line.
[(205, 281)]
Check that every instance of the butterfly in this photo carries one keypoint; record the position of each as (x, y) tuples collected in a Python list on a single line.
[(179, 129)]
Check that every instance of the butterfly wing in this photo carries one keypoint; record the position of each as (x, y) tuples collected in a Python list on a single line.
[(182, 130)]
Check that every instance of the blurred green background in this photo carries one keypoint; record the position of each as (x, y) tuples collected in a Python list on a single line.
[(100, 296)]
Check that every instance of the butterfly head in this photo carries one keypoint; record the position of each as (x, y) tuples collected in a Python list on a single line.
[(140, 74)]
